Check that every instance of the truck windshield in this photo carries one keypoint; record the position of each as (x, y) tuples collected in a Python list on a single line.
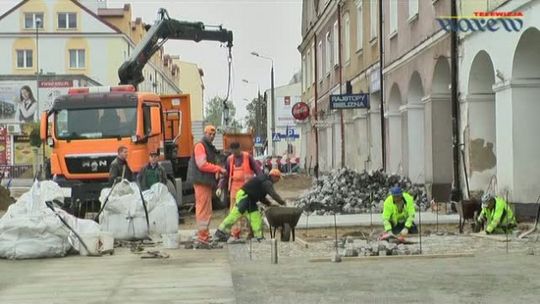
[(96, 123)]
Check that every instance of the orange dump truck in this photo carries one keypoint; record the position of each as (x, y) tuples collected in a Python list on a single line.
[(86, 127)]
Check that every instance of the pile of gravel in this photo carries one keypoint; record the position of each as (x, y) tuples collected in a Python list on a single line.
[(345, 191)]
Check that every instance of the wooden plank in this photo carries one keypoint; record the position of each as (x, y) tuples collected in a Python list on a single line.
[(399, 257), (493, 237), (301, 242)]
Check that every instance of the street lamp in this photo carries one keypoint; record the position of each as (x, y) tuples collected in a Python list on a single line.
[(273, 126), (259, 132), (38, 24)]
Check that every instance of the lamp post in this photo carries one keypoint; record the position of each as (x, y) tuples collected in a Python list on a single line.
[(37, 25), (258, 110), (273, 100)]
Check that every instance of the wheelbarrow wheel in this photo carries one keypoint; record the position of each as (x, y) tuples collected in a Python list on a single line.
[(285, 233)]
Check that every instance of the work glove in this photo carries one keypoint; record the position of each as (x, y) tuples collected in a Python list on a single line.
[(219, 192), (404, 232)]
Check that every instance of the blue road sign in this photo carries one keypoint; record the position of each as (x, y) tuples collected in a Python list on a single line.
[(258, 140), (276, 137)]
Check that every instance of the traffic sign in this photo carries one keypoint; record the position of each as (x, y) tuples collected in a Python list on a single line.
[(258, 140), (276, 137)]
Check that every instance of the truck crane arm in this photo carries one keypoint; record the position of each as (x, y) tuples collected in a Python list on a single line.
[(166, 28)]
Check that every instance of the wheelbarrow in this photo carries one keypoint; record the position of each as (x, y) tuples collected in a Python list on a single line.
[(285, 218)]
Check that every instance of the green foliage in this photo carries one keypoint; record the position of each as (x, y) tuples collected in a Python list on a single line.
[(214, 113), (32, 129)]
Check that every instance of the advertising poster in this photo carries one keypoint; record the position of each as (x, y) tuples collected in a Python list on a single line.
[(18, 102), (284, 106), (5, 157), (49, 90), (23, 151)]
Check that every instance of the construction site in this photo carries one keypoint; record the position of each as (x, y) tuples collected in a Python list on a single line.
[(390, 168), (438, 265)]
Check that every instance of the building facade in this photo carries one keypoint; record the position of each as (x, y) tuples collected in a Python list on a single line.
[(499, 82), (49, 46), (340, 50)]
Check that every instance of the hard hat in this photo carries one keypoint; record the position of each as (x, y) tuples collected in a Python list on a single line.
[(486, 198), (210, 129), (396, 191), (275, 172)]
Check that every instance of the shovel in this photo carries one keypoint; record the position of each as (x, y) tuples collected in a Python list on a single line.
[(533, 229), (50, 205)]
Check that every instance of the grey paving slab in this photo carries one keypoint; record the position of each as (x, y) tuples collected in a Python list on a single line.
[(188, 276)]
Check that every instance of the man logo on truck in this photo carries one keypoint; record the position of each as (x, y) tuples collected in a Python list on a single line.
[(94, 165)]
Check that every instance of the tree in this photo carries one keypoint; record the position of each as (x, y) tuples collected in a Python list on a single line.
[(256, 118), (214, 113)]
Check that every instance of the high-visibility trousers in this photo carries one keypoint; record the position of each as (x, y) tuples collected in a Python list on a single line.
[(244, 208), (203, 210)]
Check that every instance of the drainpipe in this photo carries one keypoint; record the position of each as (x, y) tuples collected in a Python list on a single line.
[(316, 110), (455, 101), (342, 125), (381, 81)]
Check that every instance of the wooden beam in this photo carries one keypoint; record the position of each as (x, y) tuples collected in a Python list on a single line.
[(399, 257), (301, 242), (493, 237)]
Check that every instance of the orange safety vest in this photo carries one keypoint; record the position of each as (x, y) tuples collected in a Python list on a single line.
[(240, 175)]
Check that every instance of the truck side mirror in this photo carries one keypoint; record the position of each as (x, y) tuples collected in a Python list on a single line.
[(43, 126), (155, 118)]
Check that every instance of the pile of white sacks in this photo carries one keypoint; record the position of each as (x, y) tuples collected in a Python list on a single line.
[(30, 229), (125, 217)]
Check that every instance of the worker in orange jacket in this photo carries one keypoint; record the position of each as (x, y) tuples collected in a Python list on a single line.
[(202, 171), (240, 167)]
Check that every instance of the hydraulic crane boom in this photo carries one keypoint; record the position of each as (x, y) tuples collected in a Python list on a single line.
[(166, 28)]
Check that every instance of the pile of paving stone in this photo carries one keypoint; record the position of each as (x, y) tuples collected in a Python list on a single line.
[(346, 191), (348, 248)]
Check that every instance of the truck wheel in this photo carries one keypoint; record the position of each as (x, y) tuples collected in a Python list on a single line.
[(285, 233), (172, 190)]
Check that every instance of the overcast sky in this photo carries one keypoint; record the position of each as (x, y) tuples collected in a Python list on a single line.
[(270, 27)]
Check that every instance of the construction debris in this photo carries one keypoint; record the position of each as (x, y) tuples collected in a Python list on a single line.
[(5, 198), (345, 191)]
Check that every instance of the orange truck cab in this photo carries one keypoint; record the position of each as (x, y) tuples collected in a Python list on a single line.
[(86, 127)]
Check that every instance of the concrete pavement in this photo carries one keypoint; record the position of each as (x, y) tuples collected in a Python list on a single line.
[(188, 276)]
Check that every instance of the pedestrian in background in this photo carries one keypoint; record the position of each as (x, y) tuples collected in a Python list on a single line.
[(119, 167), (152, 173)]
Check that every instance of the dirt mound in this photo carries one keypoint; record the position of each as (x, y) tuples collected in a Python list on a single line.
[(5, 198)]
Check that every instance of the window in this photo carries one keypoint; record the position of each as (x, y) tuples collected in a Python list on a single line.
[(413, 8), (309, 67), (67, 20), (30, 20), (313, 75), (319, 61), (359, 26), (76, 59), (328, 53), (346, 37), (96, 123), (336, 43), (393, 15), (304, 74), (373, 18), (24, 59)]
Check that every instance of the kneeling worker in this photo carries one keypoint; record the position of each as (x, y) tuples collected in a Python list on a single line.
[(497, 215), (255, 190), (398, 213)]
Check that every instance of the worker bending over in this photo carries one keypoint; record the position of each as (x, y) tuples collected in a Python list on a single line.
[(398, 213), (240, 167), (202, 171), (496, 214), (247, 197)]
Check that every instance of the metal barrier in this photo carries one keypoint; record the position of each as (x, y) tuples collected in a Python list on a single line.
[(14, 171)]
